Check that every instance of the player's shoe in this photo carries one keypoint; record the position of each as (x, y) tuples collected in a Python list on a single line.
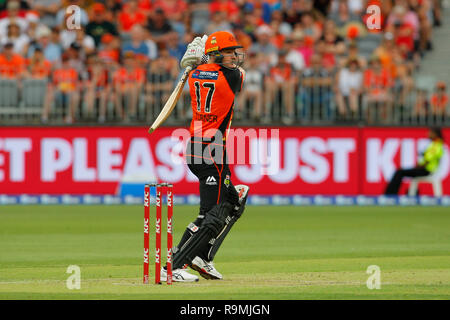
[(206, 269), (179, 275)]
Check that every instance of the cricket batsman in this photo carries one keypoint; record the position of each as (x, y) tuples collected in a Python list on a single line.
[(213, 86)]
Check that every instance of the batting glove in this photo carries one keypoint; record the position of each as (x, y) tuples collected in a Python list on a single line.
[(194, 53)]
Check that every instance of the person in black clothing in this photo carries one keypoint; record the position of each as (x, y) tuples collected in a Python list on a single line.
[(158, 24), (99, 26)]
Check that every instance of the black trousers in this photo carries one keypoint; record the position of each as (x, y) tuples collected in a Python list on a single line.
[(394, 185), (208, 162)]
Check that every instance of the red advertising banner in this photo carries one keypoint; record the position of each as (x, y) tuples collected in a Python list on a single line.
[(284, 161)]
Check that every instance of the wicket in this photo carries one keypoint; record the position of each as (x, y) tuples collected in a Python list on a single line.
[(158, 187)]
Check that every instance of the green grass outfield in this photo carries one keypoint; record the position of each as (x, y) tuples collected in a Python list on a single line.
[(271, 253)]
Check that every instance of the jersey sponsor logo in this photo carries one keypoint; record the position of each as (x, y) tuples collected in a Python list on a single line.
[(206, 117), (211, 181), (191, 227), (206, 75), (226, 182)]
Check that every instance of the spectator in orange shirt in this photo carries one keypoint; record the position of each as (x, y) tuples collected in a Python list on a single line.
[(377, 84), (64, 86), (38, 67), (241, 37), (128, 82), (12, 65), (280, 78), (97, 86), (130, 16), (439, 101), (109, 50)]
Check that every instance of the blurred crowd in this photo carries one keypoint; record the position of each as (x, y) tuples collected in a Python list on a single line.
[(119, 59)]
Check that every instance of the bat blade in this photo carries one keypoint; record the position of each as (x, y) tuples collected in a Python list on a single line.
[(171, 102)]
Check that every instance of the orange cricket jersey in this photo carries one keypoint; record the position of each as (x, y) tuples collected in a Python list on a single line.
[(212, 89)]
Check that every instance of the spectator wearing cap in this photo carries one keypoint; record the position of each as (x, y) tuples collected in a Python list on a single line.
[(12, 65), (158, 24), (280, 78), (128, 83), (18, 39), (265, 47), (218, 22), (65, 86), (439, 101), (130, 16), (349, 89), (99, 26), (13, 8), (52, 51), (252, 90), (47, 10)]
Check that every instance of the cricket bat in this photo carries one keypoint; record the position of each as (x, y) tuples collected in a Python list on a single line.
[(171, 102)]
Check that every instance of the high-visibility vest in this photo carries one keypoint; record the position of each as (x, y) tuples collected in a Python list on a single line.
[(432, 155)]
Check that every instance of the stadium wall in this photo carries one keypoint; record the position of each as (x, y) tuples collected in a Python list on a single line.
[(300, 161)]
